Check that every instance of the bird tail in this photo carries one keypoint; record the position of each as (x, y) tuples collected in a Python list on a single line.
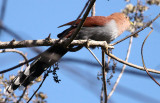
[(35, 69)]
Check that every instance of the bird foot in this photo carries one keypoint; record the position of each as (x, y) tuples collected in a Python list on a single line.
[(87, 43)]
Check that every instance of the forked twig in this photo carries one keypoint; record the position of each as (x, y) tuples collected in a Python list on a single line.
[(16, 51), (72, 26), (143, 59), (81, 23), (95, 57), (130, 64)]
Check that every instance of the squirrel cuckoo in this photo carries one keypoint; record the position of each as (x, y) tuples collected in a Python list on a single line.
[(99, 28)]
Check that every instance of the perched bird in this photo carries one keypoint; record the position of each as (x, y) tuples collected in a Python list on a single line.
[(99, 28)]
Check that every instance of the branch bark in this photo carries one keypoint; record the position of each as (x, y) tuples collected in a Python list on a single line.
[(123, 68), (44, 42), (16, 51), (104, 76)]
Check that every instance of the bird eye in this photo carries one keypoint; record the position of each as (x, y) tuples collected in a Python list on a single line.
[(126, 16)]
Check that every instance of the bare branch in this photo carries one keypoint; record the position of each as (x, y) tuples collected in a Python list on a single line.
[(143, 59), (44, 78), (3, 9), (95, 56), (104, 76), (131, 65), (16, 36), (123, 68), (93, 12), (72, 26), (44, 42), (81, 23), (24, 91), (16, 51), (101, 96), (12, 68)]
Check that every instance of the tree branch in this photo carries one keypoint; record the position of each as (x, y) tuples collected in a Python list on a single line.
[(24, 91), (143, 60), (44, 78), (104, 76), (123, 68), (95, 56), (80, 24), (132, 65), (16, 51), (44, 42), (102, 44)]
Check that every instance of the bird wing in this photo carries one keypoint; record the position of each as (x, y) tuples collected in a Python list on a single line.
[(90, 21)]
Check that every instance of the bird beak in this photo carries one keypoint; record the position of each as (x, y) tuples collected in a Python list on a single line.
[(131, 23), (130, 27)]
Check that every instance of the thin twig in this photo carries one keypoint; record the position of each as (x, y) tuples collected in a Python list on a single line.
[(123, 68), (95, 57), (12, 68), (73, 25), (3, 9), (22, 67), (93, 12), (147, 25), (16, 51), (9, 31), (24, 91), (131, 65), (16, 36), (81, 12), (108, 62), (104, 76), (95, 64), (101, 96), (143, 59), (38, 87)]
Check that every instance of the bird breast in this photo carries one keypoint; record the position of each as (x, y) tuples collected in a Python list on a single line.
[(108, 32)]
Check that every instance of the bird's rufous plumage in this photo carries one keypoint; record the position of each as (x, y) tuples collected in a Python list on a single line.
[(101, 28)]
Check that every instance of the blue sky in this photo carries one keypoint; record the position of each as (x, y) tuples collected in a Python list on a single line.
[(35, 19)]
